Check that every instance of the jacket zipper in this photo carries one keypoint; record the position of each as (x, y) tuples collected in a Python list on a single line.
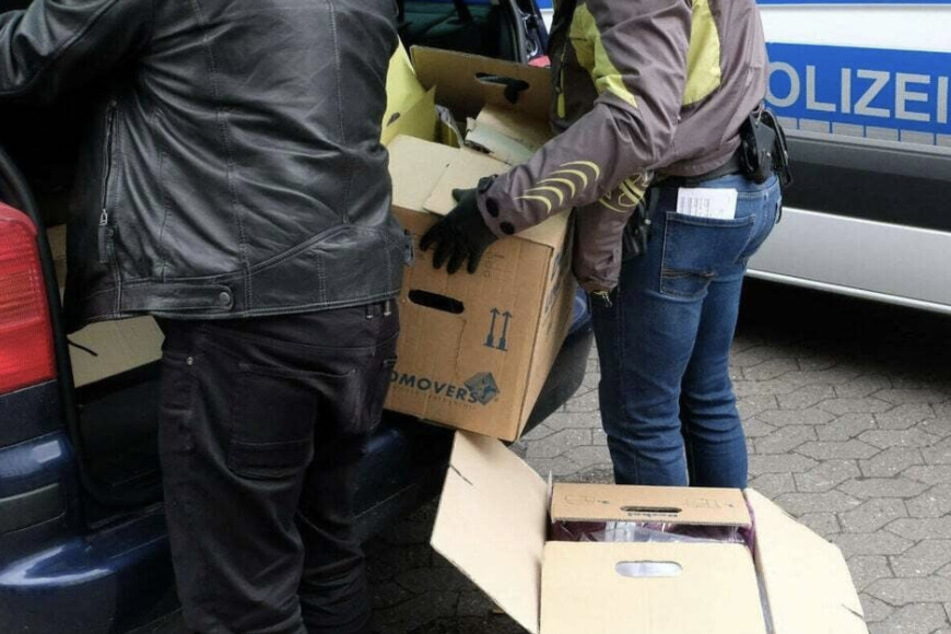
[(105, 234), (560, 26)]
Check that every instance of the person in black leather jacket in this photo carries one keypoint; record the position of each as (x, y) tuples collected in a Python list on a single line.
[(233, 186)]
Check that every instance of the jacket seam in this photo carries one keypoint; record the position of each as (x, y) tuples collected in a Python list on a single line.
[(221, 119), (292, 252), (340, 111), (162, 249)]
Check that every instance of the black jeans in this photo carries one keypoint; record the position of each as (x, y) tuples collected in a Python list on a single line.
[(263, 423)]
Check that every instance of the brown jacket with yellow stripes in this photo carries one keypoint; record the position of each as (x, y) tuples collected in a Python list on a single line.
[(640, 87)]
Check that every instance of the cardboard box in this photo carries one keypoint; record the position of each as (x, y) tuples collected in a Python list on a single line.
[(108, 347), (492, 525), (467, 83), (475, 350)]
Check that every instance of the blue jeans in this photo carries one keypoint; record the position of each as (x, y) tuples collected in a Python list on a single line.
[(667, 403)]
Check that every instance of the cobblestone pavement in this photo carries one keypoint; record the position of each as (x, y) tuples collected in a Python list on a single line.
[(847, 413)]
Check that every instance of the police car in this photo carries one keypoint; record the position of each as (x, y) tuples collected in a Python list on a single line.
[(863, 90)]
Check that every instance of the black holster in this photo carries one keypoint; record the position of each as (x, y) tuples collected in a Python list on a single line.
[(763, 150)]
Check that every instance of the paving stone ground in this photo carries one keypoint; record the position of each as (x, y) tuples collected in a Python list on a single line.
[(847, 410)]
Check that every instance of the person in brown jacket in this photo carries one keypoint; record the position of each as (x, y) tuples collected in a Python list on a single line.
[(644, 87)]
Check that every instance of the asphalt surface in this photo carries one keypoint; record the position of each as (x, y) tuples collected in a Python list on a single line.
[(847, 411)]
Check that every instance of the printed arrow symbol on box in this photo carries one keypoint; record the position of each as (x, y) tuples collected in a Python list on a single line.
[(490, 340), (505, 330)]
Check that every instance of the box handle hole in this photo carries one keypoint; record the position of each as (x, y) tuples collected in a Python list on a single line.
[(653, 510), (513, 87), (437, 302), (648, 569)]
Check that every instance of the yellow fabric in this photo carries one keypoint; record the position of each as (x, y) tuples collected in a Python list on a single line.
[(403, 90), (586, 40), (583, 171), (703, 54)]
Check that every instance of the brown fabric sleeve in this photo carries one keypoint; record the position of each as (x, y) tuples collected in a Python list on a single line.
[(625, 133)]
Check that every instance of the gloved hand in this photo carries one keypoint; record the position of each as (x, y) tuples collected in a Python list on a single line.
[(460, 236)]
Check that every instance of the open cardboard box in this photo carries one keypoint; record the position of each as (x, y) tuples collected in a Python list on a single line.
[(492, 525), (504, 103), (475, 350)]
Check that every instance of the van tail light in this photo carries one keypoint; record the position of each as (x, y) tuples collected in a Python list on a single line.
[(26, 335)]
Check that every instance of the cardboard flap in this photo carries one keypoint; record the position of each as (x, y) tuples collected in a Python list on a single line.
[(679, 505), (418, 121), (465, 83), (414, 168), (621, 588), (807, 581), (506, 135), (464, 172), (491, 524)]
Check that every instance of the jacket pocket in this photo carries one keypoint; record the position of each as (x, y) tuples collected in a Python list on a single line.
[(696, 248), (106, 232)]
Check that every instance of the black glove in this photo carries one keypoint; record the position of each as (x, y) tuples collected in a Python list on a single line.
[(461, 235)]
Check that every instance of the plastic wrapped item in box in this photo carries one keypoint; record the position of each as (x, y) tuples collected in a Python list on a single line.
[(661, 532)]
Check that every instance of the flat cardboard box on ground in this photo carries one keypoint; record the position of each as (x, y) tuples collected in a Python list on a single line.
[(475, 350), (492, 525)]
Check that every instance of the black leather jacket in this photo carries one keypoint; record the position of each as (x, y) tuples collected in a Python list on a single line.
[(235, 169)]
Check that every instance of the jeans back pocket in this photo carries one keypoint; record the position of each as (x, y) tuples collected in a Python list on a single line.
[(275, 413), (696, 248)]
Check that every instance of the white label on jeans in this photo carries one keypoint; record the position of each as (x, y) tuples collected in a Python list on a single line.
[(707, 203)]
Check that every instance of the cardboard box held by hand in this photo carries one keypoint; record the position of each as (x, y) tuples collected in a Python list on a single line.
[(493, 522), (474, 350)]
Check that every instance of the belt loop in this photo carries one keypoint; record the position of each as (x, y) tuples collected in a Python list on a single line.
[(387, 308), (369, 311)]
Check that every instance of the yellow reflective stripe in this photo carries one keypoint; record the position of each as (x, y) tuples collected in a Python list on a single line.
[(562, 181), (631, 190), (548, 205), (558, 192), (703, 54), (594, 167), (604, 202), (578, 173), (592, 56)]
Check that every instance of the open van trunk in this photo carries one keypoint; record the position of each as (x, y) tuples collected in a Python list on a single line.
[(111, 392), (83, 546), (114, 370)]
